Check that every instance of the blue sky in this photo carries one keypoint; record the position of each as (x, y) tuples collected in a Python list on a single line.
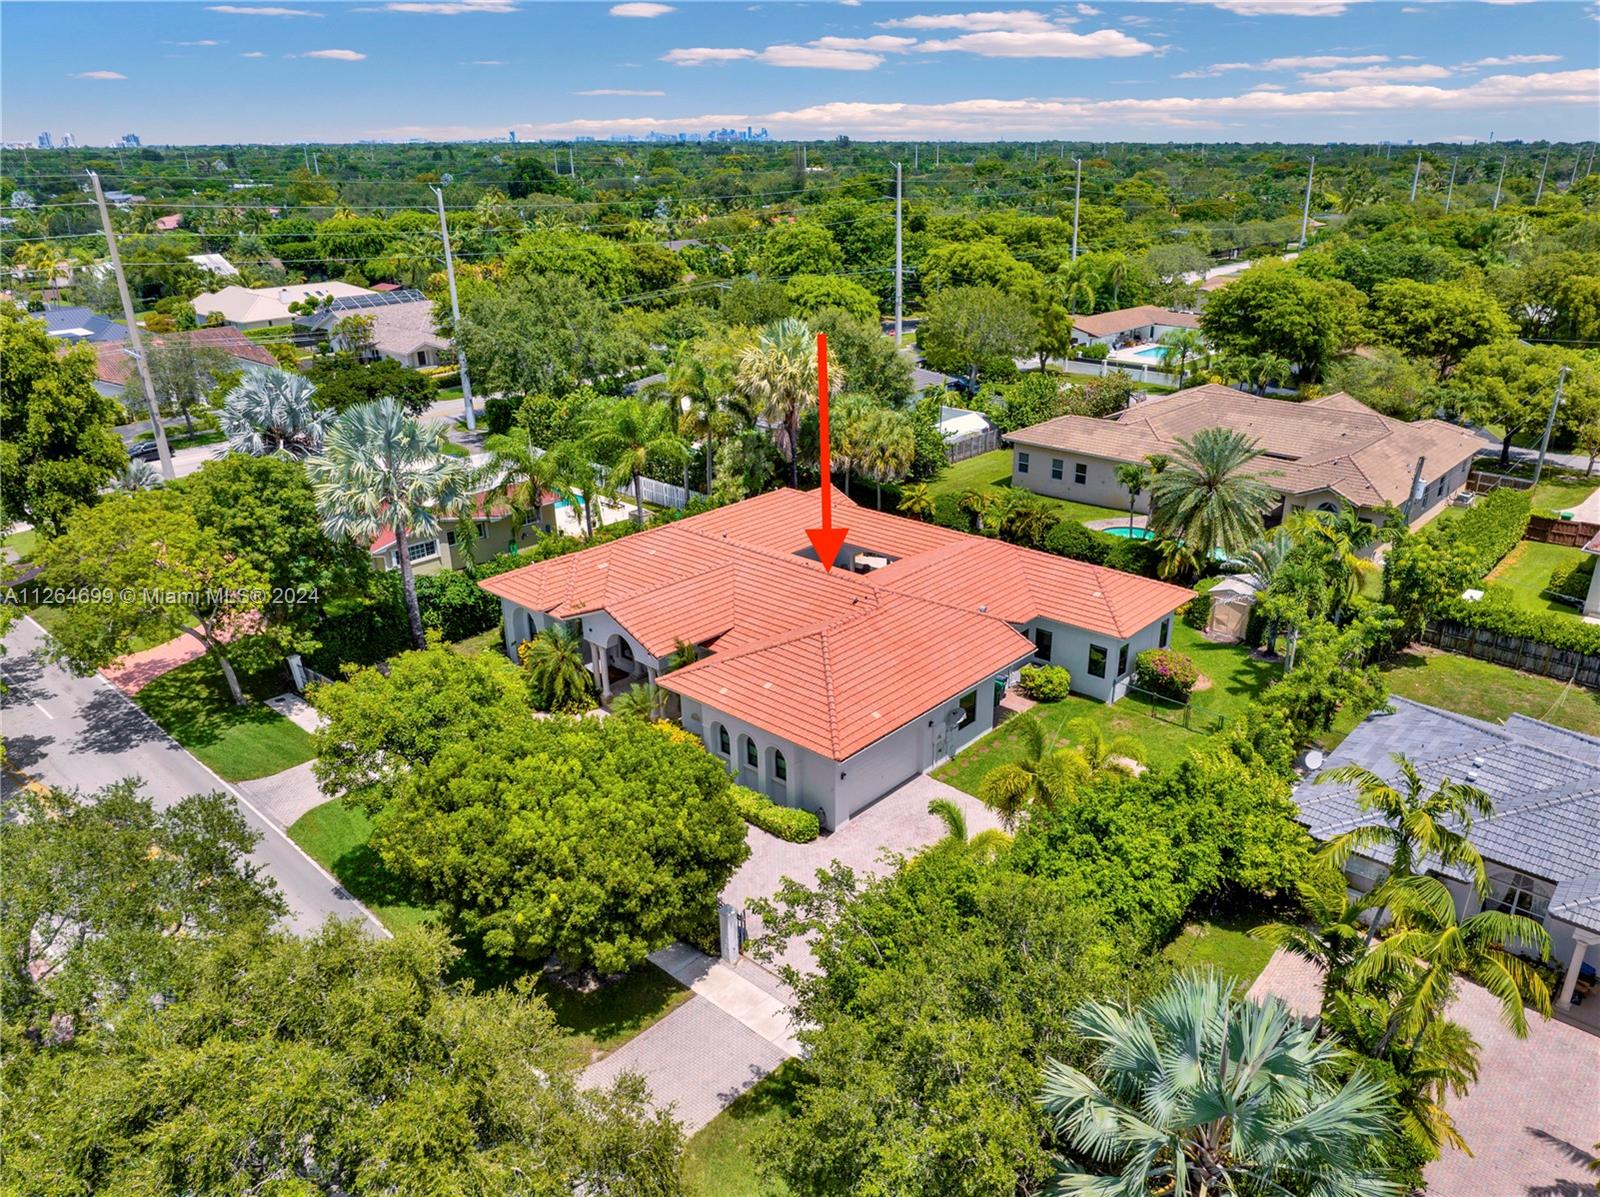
[(1185, 70)]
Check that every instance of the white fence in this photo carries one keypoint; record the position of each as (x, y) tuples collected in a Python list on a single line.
[(653, 491), (973, 444), (1159, 378)]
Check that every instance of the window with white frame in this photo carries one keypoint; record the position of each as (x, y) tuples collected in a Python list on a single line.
[(1080, 473), (483, 528), (1517, 893), (421, 550), (1022, 463), (1055, 469)]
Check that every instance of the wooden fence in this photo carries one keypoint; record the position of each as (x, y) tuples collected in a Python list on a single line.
[(1571, 533), (1481, 482), (1515, 652)]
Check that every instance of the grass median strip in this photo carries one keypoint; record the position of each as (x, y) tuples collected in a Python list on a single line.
[(238, 743)]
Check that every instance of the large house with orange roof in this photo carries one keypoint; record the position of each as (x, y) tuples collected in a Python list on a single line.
[(827, 689)]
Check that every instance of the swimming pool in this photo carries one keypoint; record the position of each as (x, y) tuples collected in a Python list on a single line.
[(1128, 533), (1150, 353)]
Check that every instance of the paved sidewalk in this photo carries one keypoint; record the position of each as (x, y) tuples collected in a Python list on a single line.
[(731, 992), (285, 796), (1533, 1117), (137, 670)]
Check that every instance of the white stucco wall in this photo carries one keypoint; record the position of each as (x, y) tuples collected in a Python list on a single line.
[(1099, 487), (1591, 604), (1070, 646)]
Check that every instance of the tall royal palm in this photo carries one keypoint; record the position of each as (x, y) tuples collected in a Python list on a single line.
[(1197, 1092), (778, 375), (1209, 496), (627, 435), (270, 412), (380, 471), (701, 379)]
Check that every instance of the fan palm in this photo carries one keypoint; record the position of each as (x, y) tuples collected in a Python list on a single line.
[(1134, 476), (850, 431), (1431, 946), (1197, 1092), (1103, 753), (916, 501), (626, 436), (1207, 497), (137, 476), (1178, 347), (382, 471), (778, 375), (647, 702), (559, 679), (270, 412), (976, 502), (891, 448)]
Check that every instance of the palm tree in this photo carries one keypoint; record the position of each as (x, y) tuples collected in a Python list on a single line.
[(1268, 369), (626, 436), (1135, 476), (647, 702), (271, 412), (1418, 826), (916, 501), (976, 502), (1026, 519), (1103, 753), (559, 679), (1335, 938), (136, 476), (1039, 774), (1197, 1092), (890, 449), (1431, 946), (1178, 346), (953, 818), (570, 475), (522, 472), (1117, 274), (778, 374), (702, 379), (1260, 561), (1205, 497), (850, 431), (1079, 292), (382, 471)]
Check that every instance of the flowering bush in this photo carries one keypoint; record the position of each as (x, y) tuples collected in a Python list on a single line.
[(1165, 672), (1045, 683)]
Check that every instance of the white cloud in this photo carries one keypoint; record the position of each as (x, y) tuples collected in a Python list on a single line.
[(1377, 74), (260, 10), (447, 8), (881, 43), (1088, 10), (253, 54), (813, 56), (205, 41), (974, 22), (1285, 8), (485, 62), (617, 91), (1512, 60), (97, 75), (851, 3), (340, 55), (1290, 63), (1042, 43), (641, 10)]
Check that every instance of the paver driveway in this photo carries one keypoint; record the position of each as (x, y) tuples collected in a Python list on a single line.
[(1533, 1118)]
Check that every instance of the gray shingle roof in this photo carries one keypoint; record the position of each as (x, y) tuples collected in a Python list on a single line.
[(1544, 780), (66, 323)]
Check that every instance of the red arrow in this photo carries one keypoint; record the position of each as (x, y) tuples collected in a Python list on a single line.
[(826, 540)]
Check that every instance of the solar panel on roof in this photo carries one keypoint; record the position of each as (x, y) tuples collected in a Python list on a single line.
[(378, 299)]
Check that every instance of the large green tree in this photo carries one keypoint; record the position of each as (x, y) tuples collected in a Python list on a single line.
[(540, 334), (1441, 322), (1273, 308), (540, 838), (976, 331), (185, 373), (343, 382), (799, 248), (1513, 384), (59, 450)]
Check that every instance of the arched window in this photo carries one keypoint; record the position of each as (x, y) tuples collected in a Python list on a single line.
[(724, 745), (780, 767), (1330, 508)]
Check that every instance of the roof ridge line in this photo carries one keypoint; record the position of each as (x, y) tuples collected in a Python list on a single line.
[(827, 688)]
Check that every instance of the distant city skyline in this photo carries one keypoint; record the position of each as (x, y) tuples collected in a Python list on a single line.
[(1185, 70)]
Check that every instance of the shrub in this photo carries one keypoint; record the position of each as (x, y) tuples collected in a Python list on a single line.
[(1071, 539), (1572, 579), (1094, 353), (1166, 672), (456, 605), (1133, 556), (1492, 527), (1196, 613), (1045, 683), (1554, 628), (947, 513), (362, 631), (499, 413), (786, 822)]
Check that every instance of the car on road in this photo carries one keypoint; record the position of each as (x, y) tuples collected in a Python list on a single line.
[(143, 451)]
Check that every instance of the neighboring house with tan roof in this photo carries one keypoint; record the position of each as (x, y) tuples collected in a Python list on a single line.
[(1130, 325), (492, 529), (402, 326), (114, 364), (826, 690), (265, 307), (1318, 454)]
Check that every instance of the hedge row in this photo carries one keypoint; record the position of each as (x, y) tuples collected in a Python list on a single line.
[(1490, 528), (786, 822), (1558, 630), (1572, 579)]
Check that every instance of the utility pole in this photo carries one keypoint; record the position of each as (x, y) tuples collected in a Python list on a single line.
[(1450, 194), (1416, 176), (1590, 167), (316, 166), (899, 265), (1495, 207), (1549, 423), (571, 167), (305, 152), (916, 153), (936, 160), (1544, 166), (455, 313), (133, 333), (1077, 189), (1575, 163), (1305, 209)]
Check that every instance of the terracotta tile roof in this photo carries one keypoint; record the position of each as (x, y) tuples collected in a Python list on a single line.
[(872, 649), (839, 686), (114, 366), (1334, 443), (1105, 324)]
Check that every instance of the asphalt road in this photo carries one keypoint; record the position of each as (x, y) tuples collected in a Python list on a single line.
[(83, 733)]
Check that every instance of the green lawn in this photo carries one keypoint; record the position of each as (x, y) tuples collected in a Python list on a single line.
[(1563, 493), (1491, 692), (993, 472), (1222, 943), (238, 743), (1236, 678), (482, 642), (597, 1022), (720, 1161), (1526, 571), (22, 544)]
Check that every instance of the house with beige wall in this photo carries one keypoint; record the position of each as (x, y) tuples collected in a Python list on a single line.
[(1319, 454), (491, 530)]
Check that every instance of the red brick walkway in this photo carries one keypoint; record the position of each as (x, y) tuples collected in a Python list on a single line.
[(137, 670)]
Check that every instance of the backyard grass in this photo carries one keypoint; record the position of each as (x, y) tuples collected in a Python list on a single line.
[(1236, 678), (1222, 943), (595, 1023), (489, 641), (992, 471), (1491, 692), (22, 545), (238, 743), (1526, 571), (1563, 493), (720, 1161)]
